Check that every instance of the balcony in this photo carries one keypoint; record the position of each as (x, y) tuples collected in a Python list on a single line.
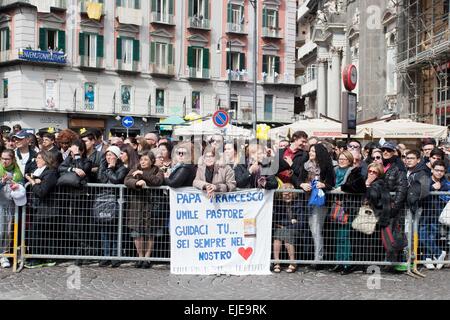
[(238, 75), (199, 23), (131, 67), (88, 106), (236, 28), (83, 8), (59, 4), (5, 55), (271, 32), (271, 79), (88, 62), (159, 111), (300, 39), (129, 16), (199, 74), (308, 81), (157, 17), (166, 71), (306, 49), (303, 10)]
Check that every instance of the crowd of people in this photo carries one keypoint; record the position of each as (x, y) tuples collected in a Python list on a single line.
[(391, 177)]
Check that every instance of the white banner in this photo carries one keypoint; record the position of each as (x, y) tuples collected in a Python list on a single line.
[(228, 234)]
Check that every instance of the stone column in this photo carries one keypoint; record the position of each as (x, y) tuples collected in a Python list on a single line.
[(334, 83), (322, 87)]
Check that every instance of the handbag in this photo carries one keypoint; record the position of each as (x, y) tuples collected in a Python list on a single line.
[(393, 238), (71, 179), (105, 208), (365, 221), (444, 217), (338, 213), (317, 198)]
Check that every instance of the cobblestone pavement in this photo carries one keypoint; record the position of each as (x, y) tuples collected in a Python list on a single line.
[(126, 282)]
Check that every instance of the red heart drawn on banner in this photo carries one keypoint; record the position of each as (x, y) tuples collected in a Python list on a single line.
[(245, 253)]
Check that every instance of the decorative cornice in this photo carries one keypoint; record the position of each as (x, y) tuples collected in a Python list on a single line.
[(51, 17), (5, 18), (128, 28), (197, 38), (88, 23), (162, 34)]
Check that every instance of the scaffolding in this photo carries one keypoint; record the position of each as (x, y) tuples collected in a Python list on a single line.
[(423, 42)]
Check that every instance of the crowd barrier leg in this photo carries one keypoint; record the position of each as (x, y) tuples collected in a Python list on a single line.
[(415, 272)]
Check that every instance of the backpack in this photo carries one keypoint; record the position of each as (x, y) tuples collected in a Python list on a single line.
[(393, 238)]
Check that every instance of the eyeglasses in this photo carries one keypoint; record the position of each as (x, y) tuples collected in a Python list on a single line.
[(387, 150), (376, 158), (351, 146), (210, 156), (372, 172), (343, 159)]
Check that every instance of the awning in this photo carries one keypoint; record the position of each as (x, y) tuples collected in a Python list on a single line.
[(167, 124)]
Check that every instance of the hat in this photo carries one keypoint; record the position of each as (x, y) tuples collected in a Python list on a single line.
[(19, 195), (21, 134), (115, 150), (389, 145)]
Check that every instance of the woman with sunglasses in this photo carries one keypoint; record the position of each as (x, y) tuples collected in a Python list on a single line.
[(376, 156), (182, 173)]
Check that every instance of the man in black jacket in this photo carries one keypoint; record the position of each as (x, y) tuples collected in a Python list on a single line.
[(48, 144), (292, 159), (418, 179)]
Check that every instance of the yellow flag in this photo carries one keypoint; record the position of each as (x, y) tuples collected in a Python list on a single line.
[(262, 132), (82, 130), (94, 10)]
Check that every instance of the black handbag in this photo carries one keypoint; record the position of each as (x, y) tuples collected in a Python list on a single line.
[(105, 208), (71, 179)]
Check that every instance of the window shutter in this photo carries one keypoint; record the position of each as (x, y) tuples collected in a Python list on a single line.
[(8, 39), (229, 13), (242, 61), (43, 39), (265, 64), (205, 58), (276, 19), (62, 40), (81, 48), (119, 48), (228, 60), (100, 46), (137, 4), (170, 6), (190, 7), (190, 59), (277, 65), (206, 16), (118, 3), (152, 52), (136, 50), (153, 5), (264, 21), (242, 14), (170, 54)]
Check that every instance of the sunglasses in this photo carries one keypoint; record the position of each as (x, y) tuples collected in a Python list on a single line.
[(376, 158), (352, 147), (181, 153), (372, 172), (387, 150)]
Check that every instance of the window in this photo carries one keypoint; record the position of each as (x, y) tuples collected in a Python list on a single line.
[(128, 52), (50, 39), (160, 101), (132, 4), (234, 107), (89, 96), (4, 89), (271, 66), (268, 107), (4, 39), (198, 62), (237, 64), (161, 55), (272, 19), (197, 8), (196, 102)]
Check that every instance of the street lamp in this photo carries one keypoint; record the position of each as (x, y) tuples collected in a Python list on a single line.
[(254, 3), (230, 67)]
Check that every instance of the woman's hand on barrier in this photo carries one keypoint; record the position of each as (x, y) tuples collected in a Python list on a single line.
[(137, 172), (80, 172), (320, 185), (437, 186), (306, 187), (141, 184)]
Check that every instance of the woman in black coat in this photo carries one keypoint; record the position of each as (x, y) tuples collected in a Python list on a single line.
[(112, 171), (76, 205), (43, 208), (183, 172)]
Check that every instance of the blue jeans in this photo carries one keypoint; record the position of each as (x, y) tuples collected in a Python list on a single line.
[(109, 241), (428, 234)]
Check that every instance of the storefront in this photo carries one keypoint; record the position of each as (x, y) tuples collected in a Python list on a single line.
[(33, 121)]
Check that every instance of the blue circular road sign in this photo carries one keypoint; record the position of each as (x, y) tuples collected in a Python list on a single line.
[(221, 118), (128, 122)]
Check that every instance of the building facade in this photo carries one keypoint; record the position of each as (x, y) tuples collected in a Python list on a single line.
[(335, 33), (79, 64)]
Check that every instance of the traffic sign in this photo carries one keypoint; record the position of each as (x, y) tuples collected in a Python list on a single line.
[(221, 118), (128, 122)]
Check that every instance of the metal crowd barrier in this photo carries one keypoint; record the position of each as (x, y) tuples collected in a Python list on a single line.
[(9, 232), (66, 228)]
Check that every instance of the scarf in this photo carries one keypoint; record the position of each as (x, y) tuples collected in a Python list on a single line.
[(15, 170), (340, 175), (38, 172), (313, 170)]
